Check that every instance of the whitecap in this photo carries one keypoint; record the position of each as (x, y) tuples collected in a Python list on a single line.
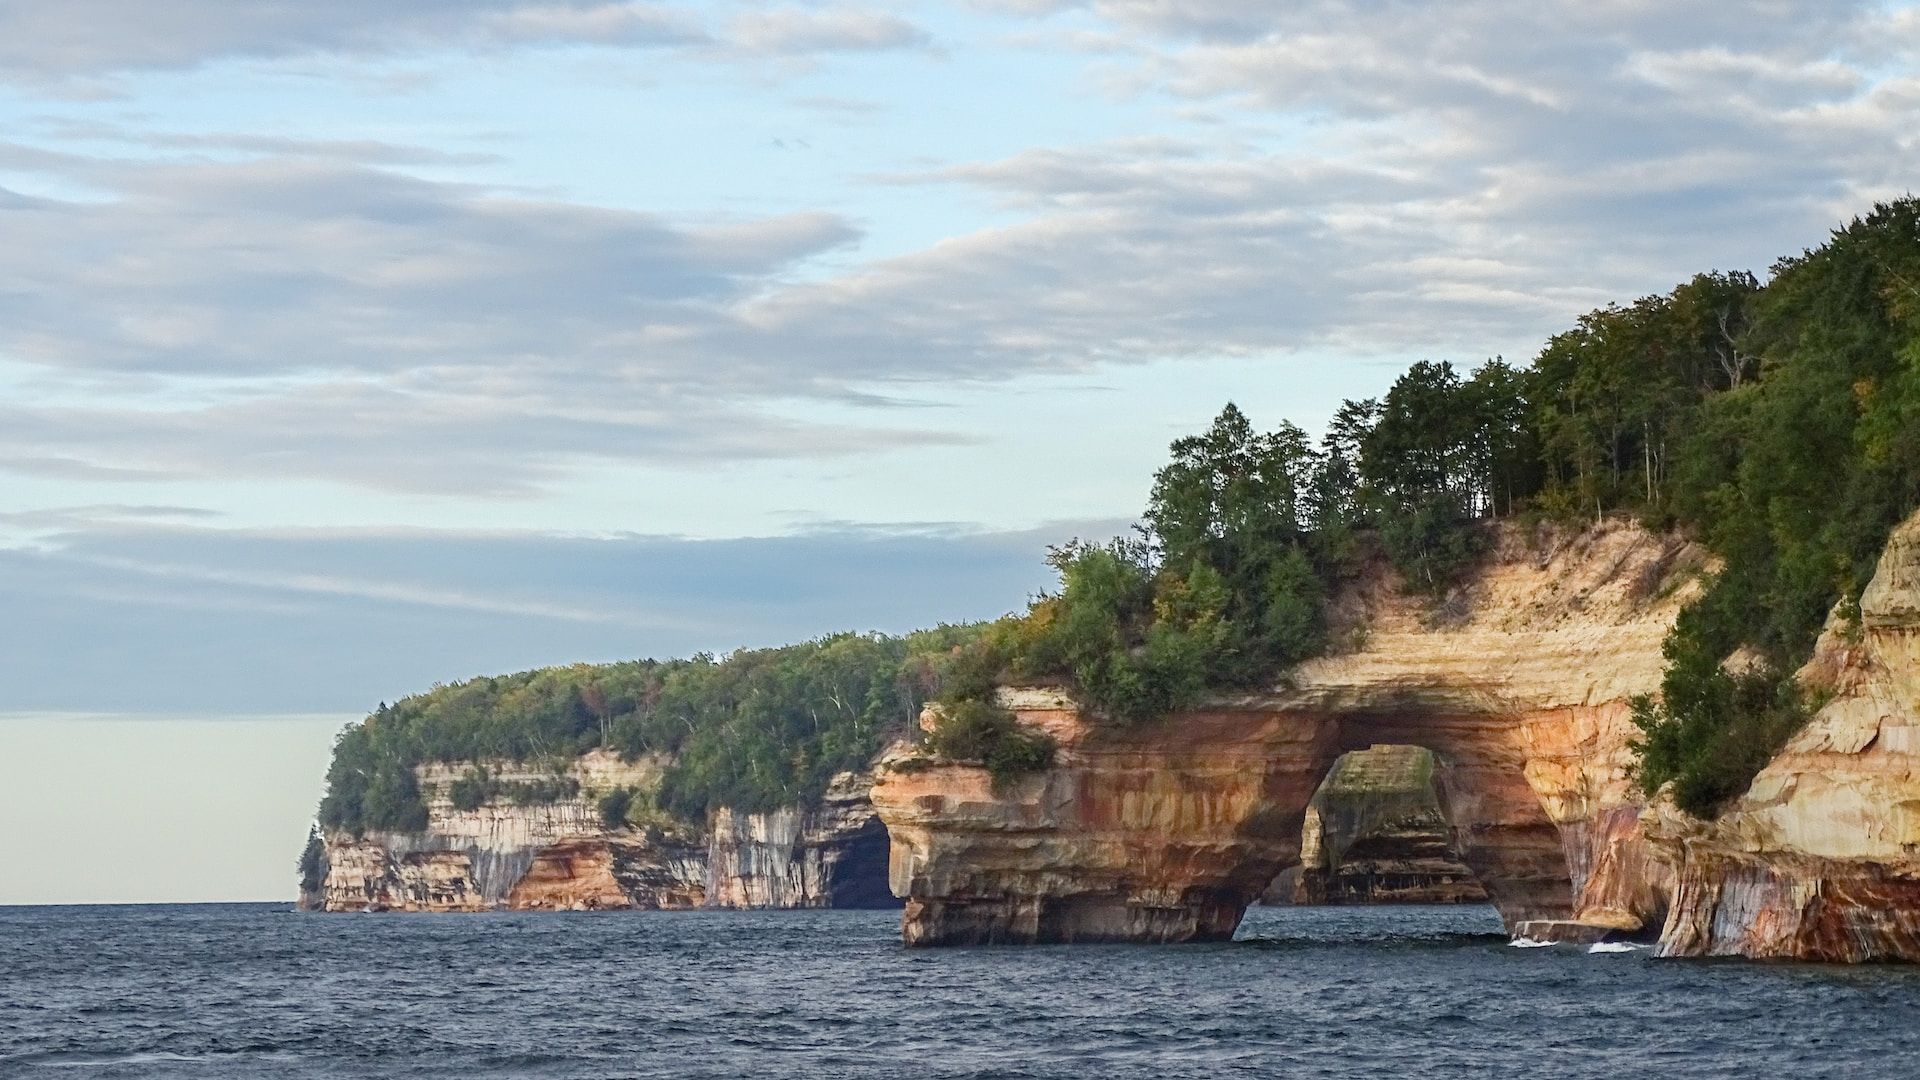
[(1530, 943), (1614, 947)]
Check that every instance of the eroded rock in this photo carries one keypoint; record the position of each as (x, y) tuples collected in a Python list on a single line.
[(1165, 832), (1820, 858), (560, 855), (1375, 834)]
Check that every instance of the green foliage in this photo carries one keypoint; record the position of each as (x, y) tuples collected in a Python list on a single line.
[(312, 859), (478, 786), (1795, 470), (1431, 542), (549, 789), (1717, 731), (757, 730), (1442, 453), (1225, 595), (472, 790), (614, 806), (974, 730)]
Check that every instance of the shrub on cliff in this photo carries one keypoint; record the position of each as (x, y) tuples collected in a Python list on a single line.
[(614, 806), (974, 730), (1219, 591), (471, 790)]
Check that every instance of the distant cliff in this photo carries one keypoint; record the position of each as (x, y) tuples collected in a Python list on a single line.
[(736, 781), (511, 852)]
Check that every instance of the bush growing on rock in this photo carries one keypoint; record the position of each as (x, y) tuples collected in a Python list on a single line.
[(471, 790), (614, 806), (974, 730)]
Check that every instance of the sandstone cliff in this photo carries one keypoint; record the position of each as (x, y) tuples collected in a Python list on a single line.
[(560, 855), (1820, 859), (1375, 834), (1520, 685)]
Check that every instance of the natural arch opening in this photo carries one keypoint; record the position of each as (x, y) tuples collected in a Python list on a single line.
[(1375, 833), (1166, 833)]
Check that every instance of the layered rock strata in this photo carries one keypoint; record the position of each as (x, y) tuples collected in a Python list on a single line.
[(1374, 834), (1520, 685), (1820, 858), (560, 855)]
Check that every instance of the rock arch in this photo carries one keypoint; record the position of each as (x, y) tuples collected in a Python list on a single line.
[(1166, 832)]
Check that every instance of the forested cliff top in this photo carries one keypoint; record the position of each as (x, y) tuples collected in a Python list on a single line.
[(1776, 421)]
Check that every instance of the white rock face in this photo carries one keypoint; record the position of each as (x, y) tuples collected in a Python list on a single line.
[(480, 859)]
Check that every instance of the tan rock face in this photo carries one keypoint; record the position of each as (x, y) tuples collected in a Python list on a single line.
[(1820, 859), (612, 873), (367, 877), (561, 855), (1166, 832), (1374, 834)]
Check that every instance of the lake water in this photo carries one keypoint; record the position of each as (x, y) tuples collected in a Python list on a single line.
[(256, 990)]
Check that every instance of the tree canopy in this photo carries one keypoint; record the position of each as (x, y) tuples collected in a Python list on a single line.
[(755, 730)]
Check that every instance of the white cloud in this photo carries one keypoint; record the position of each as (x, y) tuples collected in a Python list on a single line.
[(1373, 176), (798, 30), (77, 46)]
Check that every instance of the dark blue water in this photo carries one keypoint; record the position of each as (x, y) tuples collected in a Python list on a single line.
[(255, 990)]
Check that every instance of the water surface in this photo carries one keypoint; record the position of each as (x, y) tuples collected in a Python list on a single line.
[(256, 990)]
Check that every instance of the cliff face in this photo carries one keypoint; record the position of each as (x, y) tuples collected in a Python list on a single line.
[(1820, 859), (1375, 834), (560, 855), (1519, 684)]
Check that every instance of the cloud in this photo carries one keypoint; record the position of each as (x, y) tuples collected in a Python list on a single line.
[(791, 31), (90, 38), (1415, 177), (146, 617), (1372, 178), (73, 45), (262, 316), (70, 518), (287, 264)]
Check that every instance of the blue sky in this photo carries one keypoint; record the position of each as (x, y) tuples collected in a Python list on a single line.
[(349, 347)]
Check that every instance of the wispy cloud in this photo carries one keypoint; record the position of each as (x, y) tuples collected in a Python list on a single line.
[(793, 30), (147, 617), (79, 46)]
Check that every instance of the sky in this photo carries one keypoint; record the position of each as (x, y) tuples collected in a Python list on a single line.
[(350, 347)]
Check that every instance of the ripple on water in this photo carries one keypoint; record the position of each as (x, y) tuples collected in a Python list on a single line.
[(250, 990)]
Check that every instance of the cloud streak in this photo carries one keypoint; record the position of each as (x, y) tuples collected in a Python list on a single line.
[(186, 617), (1372, 178), (79, 40)]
